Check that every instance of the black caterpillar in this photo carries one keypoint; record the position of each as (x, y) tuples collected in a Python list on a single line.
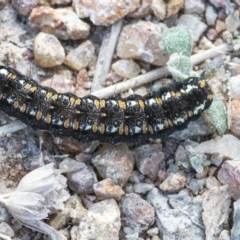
[(112, 120)]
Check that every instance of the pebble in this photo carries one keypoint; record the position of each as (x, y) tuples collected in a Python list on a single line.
[(126, 68), (153, 231), (24, 7), (142, 41), (211, 34), (61, 22), (107, 189), (6, 230), (115, 162), (231, 22), (224, 235), (235, 231), (142, 11), (74, 232), (2, 4), (235, 117), (212, 182), (229, 174), (70, 165), (143, 188), (102, 221), (220, 26), (180, 219), (181, 158), (173, 7), (81, 181), (216, 208), (48, 51), (104, 13), (192, 6), (227, 145), (80, 57), (148, 159), (211, 15), (191, 22), (233, 85), (137, 212), (159, 9), (174, 182)]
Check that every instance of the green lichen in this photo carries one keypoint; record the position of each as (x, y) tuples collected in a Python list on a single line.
[(178, 40), (218, 116)]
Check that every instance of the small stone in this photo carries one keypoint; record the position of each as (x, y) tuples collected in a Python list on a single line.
[(74, 232), (71, 165), (216, 208), (142, 41), (137, 212), (219, 3), (159, 9), (231, 22), (81, 181), (211, 34), (174, 182), (6, 230), (181, 158), (24, 7), (220, 26), (143, 11), (227, 145), (174, 6), (107, 189), (212, 182), (61, 22), (191, 22), (143, 188), (229, 174), (104, 13), (80, 57), (225, 235), (115, 162), (2, 4), (235, 117), (102, 221), (234, 87), (235, 232), (175, 218), (126, 68), (192, 6), (148, 159), (211, 15), (48, 51), (153, 231)]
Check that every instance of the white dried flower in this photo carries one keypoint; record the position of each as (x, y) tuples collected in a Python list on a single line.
[(28, 203)]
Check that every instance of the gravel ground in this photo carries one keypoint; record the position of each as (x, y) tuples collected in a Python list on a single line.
[(181, 187)]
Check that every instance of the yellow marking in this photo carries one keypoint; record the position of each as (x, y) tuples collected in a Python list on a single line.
[(77, 112), (75, 124), (103, 114), (51, 107), (144, 128), (102, 128), (166, 124), (49, 95), (11, 76), (202, 83), (23, 108), (122, 104), (141, 104), (173, 94), (48, 119), (120, 129), (96, 103), (159, 101), (178, 94), (170, 123), (16, 104), (39, 115), (150, 129), (55, 97), (126, 131), (27, 86), (33, 89), (78, 101), (66, 123), (209, 97), (190, 113), (95, 127), (1, 96), (102, 103), (72, 101)]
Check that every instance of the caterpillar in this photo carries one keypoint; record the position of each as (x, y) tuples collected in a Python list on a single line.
[(113, 119)]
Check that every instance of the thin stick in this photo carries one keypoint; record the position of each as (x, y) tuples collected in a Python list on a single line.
[(105, 55)]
